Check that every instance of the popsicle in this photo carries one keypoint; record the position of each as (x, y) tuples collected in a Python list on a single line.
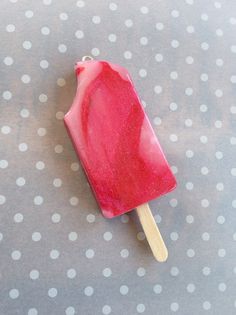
[(117, 146)]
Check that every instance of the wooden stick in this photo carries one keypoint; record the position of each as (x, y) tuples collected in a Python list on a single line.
[(152, 232)]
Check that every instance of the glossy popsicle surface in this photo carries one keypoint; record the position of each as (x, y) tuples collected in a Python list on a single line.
[(114, 140)]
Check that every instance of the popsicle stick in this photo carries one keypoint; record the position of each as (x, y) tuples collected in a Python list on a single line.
[(152, 232)]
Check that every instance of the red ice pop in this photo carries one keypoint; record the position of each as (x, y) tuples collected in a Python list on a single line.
[(115, 142)]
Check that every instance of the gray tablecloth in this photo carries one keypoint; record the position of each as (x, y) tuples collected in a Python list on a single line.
[(58, 255)]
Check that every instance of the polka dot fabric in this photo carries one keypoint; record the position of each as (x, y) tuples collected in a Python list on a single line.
[(58, 254)]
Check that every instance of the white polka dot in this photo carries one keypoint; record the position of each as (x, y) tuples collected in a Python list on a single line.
[(141, 236), (89, 253), (173, 106), (58, 148), (54, 254), (233, 48), (127, 54), (233, 171), (217, 5), (90, 218), (40, 165), (232, 21), (220, 186), (124, 253), (173, 202), (142, 73), (10, 28), (190, 29), (107, 236), (124, 218), (159, 57), (70, 310), (174, 271), (175, 43), (141, 272), (20, 181), (2, 199), (175, 13), (174, 307), (206, 305), (140, 308), (129, 23), (43, 98), (63, 16), (189, 219), (62, 48), (8, 61), (219, 32), (233, 140), (158, 89), (206, 271), (159, 26), (204, 46), (27, 44), (96, 19), (61, 82), (41, 132), (74, 201), (219, 62), (205, 203), (157, 288), (88, 291), (189, 186), (219, 155), (203, 139), (57, 182), (59, 115), (47, 2), (174, 169), (204, 77), (45, 30), (56, 218), (189, 91), (190, 253), (24, 113), (189, 60), (205, 236), (32, 311), (107, 272), (23, 147), (25, 78), (14, 293), (143, 41), (174, 75), (80, 3), (203, 108), (29, 14), (38, 200), (218, 93), (71, 273), (95, 52), (157, 121), (190, 288), (16, 255), (73, 236), (222, 287), (34, 274), (157, 218), (112, 38), (174, 236), (173, 138), (144, 10), (5, 130), (221, 252), (44, 64), (234, 236), (124, 290), (188, 122), (7, 95), (18, 217), (204, 170), (233, 109), (79, 34), (3, 164), (36, 237), (52, 292), (106, 310)]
